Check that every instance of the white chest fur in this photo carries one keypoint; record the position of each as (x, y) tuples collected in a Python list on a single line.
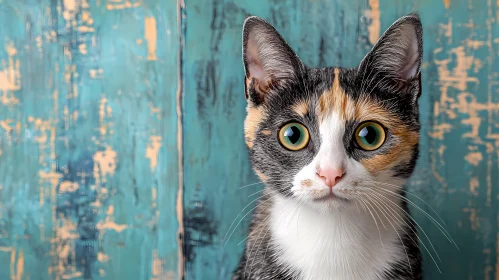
[(343, 245)]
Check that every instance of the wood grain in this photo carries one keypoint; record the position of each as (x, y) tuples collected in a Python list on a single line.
[(122, 153), (89, 164)]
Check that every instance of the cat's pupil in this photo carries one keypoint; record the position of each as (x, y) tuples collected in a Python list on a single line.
[(293, 134), (369, 134)]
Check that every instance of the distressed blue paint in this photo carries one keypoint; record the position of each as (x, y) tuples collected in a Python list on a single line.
[(90, 64), (456, 174)]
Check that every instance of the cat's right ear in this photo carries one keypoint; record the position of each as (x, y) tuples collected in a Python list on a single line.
[(269, 62), (394, 62)]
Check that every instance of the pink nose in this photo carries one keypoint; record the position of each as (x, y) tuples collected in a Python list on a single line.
[(330, 175)]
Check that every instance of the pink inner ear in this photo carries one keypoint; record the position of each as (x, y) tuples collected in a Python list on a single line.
[(255, 65), (410, 69), (256, 71)]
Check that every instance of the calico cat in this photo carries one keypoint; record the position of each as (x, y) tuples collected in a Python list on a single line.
[(334, 148)]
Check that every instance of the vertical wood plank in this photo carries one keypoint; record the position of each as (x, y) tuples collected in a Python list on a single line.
[(180, 144), (458, 166), (89, 162)]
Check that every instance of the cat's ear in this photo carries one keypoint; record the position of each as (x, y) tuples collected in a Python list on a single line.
[(396, 57), (269, 62)]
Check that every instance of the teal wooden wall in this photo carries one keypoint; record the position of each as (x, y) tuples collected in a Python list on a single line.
[(121, 141)]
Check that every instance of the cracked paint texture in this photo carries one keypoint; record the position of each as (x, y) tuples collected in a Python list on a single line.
[(121, 140)]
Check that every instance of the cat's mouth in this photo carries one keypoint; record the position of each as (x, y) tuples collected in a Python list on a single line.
[(329, 197)]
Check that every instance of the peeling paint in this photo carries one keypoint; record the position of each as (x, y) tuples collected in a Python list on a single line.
[(52, 177), (474, 158), (68, 186), (56, 105), (456, 77), (105, 111), (67, 231), (102, 257), (74, 116), (9, 126), (439, 131), (374, 26), (121, 4), (473, 217), (157, 266), (86, 20), (110, 225), (6, 249), (16, 265), (461, 106), (96, 73), (150, 36), (70, 9), (83, 48), (154, 194), (102, 115), (10, 76), (446, 28), (105, 164), (155, 111), (152, 151), (474, 185), (63, 252)]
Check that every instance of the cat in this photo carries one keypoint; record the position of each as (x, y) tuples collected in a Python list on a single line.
[(334, 147)]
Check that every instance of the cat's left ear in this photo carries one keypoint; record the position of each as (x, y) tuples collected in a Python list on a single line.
[(269, 62), (395, 60)]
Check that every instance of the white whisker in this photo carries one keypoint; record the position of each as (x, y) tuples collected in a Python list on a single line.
[(400, 238), (409, 226), (439, 226)]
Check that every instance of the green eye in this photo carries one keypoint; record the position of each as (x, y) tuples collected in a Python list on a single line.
[(370, 136), (294, 136)]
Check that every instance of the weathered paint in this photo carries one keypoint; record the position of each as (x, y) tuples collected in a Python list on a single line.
[(122, 152), (89, 162)]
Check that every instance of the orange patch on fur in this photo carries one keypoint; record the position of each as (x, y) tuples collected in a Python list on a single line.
[(335, 100), (307, 183), (301, 108), (266, 132), (253, 118), (402, 151), (260, 175)]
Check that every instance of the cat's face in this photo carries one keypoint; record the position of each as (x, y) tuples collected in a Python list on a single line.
[(329, 136)]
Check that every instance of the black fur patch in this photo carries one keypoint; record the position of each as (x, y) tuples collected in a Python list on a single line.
[(405, 170)]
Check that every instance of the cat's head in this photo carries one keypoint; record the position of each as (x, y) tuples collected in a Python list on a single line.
[(328, 136)]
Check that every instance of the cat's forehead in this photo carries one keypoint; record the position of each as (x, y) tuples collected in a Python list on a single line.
[(336, 94), (331, 93)]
